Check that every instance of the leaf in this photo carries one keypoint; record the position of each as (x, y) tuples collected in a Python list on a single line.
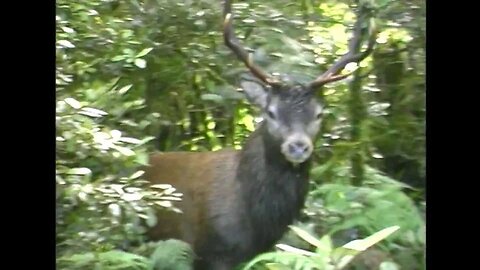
[(166, 204), (79, 171), (212, 97), (115, 209), (118, 58), (248, 21), (92, 112), (116, 134), (124, 151), (325, 245), (73, 103), (130, 140), (276, 266), (141, 63), (66, 43), (388, 266), (137, 174), (171, 198), (169, 191), (82, 196), (363, 244), (144, 52), (306, 236), (67, 29), (247, 120), (151, 220), (124, 89), (130, 197), (161, 186), (147, 139), (142, 159), (118, 188), (294, 250)]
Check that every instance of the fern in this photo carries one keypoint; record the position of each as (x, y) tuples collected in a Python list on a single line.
[(110, 260), (172, 255)]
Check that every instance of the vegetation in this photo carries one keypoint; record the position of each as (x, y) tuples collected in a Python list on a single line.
[(137, 76)]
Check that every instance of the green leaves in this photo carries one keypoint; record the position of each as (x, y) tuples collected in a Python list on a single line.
[(363, 244), (325, 256), (129, 72), (110, 260)]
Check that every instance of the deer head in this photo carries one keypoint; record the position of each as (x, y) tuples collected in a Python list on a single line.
[(292, 114)]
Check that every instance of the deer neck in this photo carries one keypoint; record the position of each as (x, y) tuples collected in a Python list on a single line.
[(274, 189)]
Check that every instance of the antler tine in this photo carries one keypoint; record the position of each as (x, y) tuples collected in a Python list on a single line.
[(232, 42), (331, 74)]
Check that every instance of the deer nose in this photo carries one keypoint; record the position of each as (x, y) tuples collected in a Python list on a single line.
[(297, 147)]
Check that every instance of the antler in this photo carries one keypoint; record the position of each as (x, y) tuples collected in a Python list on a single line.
[(232, 42), (331, 74)]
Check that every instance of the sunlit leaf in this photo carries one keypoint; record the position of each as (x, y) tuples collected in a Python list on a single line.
[(118, 188), (130, 140), (116, 134), (388, 266), (144, 52), (295, 250), (247, 120), (161, 186), (92, 112), (67, 29), (137, 174), (73, 103), (169, 191), (142, 158), (306, 236), (248, 21), (166, 204), (171, 198), (124, 89), (213, 97), (118, 58), (363, 244), (129, 197), (79, 171), (82, 196), (123, 150), (141, 63), (66, 43), (115, 209)]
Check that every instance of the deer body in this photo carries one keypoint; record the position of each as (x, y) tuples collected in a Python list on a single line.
[(236, 203)]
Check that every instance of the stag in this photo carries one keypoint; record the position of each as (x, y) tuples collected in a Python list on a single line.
[(238, 203)]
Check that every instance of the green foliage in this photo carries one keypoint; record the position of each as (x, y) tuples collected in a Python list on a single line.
[(166, 255), (110, 260), (98, 177), (172, 255), (381, 202), (324, 257), (133, 76)]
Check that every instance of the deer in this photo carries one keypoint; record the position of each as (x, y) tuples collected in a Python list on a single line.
[(237, 204)]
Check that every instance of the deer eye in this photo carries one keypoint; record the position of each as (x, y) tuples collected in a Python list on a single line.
[(271, 114), (319, 115)]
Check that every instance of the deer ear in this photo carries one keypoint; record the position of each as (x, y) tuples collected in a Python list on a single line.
[(255, 92)]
